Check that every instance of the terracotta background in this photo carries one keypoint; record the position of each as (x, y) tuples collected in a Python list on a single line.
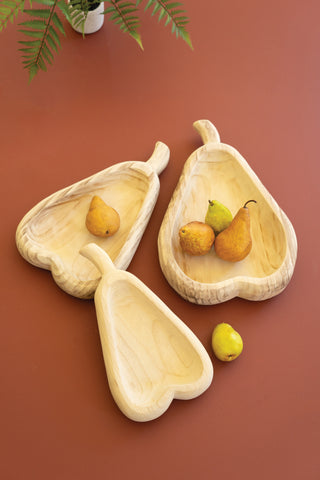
[(255, 74)]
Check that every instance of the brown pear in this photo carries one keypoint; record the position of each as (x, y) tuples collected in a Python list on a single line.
[(196, 238), (234, 243), (102, 220)]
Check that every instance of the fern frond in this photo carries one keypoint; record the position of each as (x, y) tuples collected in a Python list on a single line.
[(43, 26), (124, 14), (65, 9), (172, 13), (9, 10)]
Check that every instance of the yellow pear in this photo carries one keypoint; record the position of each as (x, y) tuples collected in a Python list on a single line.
[(227, 344), (102, 220), (235, 242), (196, 238)]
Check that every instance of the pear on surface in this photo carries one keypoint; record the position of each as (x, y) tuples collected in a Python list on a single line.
[(196, 238), (218, 216), (235, 242), (227, 344), (102, 220)]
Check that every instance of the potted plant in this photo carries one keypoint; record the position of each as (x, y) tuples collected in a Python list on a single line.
[(42, 26), (86, 15)]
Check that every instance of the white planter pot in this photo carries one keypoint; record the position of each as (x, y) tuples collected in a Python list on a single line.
[(94, 21)]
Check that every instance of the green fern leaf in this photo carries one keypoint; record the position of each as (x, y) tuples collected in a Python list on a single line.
[(42, 63), (54, 35), (38, 13), (52, 43), (44, 25), (28, 45), (171, 13), (124, 14), (47, 55), (77, 19), (39, 24), (9, 10), (65, 9), (33, 70), (47, 3), (32, 33), (56, 20)]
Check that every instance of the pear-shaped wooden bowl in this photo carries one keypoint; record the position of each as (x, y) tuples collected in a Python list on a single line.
[(52, 233), (216, 171), (151, 356)]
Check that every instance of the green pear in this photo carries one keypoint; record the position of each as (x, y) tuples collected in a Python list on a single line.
[(227, 344), (218, 216)]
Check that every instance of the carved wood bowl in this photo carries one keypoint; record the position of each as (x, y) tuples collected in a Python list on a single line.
[(151, 356), (216, 171), (52, 233)]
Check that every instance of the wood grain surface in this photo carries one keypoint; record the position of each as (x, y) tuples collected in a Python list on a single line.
[(254, 73), (52, 233), (151, 356), (217, 171)]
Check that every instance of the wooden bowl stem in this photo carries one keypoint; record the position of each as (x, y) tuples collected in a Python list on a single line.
[(159, 158), (207, 131), (97, 256)]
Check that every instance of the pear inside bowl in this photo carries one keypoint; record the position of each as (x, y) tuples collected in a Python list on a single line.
[(217, 171), (53, 232), (60, 228)]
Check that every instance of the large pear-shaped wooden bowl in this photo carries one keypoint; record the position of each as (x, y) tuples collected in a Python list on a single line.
[(216, 171), (52, 233), (151, 356)]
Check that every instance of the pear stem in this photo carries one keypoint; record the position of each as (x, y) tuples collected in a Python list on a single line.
[(245, 205)]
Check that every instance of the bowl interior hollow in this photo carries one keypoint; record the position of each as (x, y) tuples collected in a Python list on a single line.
[(152, 353), (60, 229), (218, 175)]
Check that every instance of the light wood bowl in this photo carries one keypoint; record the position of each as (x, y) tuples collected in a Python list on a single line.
[(52, 233), (216, 171), (150, 355)]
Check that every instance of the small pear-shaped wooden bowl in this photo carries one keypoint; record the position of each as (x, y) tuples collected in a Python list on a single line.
[(52, 233), (151, 356), (216, 171)]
